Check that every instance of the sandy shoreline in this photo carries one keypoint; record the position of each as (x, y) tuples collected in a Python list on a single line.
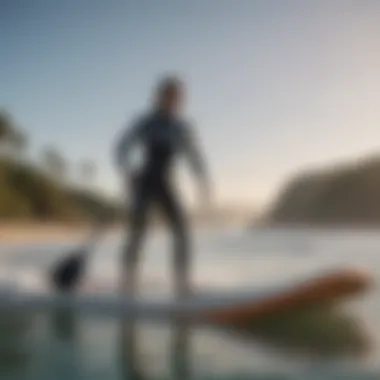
[(46, 233)]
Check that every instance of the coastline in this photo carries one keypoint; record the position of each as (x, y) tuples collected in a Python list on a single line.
[(53, 232), (45, 233), (316, 227)]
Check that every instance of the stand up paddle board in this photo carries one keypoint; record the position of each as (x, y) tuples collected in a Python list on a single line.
[(236, 307)]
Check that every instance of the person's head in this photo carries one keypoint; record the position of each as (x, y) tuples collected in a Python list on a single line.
[(169, 94)]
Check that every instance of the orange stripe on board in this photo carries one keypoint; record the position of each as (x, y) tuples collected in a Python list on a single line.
[(322, 289)]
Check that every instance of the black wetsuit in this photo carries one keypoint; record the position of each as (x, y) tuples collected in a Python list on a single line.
[(163, 138)]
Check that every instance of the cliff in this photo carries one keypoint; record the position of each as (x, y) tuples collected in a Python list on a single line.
[(346, 194)]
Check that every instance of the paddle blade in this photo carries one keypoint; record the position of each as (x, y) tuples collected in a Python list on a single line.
[(67, 274)]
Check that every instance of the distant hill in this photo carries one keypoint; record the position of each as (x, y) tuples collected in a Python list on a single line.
[(27, 193), (346, 194)]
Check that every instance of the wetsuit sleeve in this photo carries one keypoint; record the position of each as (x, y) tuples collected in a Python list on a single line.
[(193, 152), (126, 140)]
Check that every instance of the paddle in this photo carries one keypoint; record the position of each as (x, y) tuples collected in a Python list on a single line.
[(66, 275)]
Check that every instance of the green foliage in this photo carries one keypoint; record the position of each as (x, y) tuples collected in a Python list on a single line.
[(40, 193), (6, 126), (13, 206), (13, 141), (95, 207), (27, 193), (346, 194)]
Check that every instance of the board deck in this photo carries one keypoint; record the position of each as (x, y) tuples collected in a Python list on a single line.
[(235, 307)]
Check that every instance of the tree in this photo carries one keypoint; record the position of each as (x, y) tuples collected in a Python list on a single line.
[(19, 145), (13, 141), (54, 163), (6, 126)]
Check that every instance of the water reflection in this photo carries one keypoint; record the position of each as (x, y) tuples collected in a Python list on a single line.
[(181, 351), (64, 354), (131, 367), (131, 356), (65, 325), (14, 355), (63, 345), (320, 331)]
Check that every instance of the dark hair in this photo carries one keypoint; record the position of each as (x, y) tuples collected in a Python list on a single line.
[(169, 84)]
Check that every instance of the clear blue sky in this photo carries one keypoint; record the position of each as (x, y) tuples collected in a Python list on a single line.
[(274, 85)]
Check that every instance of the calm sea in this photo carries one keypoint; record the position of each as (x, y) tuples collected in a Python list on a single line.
[(314, 344)]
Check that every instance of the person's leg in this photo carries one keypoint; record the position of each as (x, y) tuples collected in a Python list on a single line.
[(137, 225), (174, 212)]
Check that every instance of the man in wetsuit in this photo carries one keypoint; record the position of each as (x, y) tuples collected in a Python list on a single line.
[(164, 136)]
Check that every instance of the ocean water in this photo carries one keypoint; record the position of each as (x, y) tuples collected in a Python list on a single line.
[(314, 344)]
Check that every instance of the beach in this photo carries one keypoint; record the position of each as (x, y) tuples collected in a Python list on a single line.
[(46, 233), (51, 232)]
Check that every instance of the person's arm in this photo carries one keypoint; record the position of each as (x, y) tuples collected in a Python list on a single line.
[(196, 159), (125, 142)]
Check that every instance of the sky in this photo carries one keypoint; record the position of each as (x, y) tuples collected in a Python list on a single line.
[(274, 86)]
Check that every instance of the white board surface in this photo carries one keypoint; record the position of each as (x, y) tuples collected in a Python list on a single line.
[(110, 304)]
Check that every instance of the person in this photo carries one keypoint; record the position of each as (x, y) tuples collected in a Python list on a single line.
[(164, 136)]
